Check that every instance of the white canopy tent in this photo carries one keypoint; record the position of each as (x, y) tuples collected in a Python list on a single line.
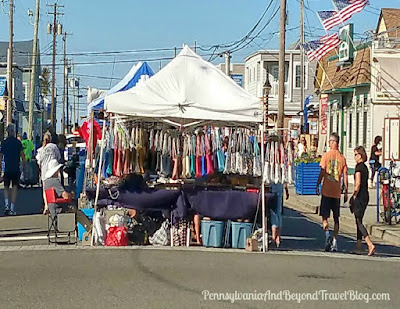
[(188, 88)]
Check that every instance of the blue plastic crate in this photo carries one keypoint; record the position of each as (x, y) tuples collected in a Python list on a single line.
[(306, 178), (240, 232), (212, 233), (89, 212)]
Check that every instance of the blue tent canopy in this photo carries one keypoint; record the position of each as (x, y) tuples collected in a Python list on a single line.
[(135, 74)]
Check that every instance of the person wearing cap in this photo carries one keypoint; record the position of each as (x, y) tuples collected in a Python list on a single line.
[(12, 151), (52, 180)]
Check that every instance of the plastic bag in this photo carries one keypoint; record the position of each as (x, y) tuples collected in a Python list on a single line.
[(161, 237), (117, 236)]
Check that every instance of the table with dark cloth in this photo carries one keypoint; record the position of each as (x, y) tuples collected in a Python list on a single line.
[(146, 199), (229, 204), (216, 204)]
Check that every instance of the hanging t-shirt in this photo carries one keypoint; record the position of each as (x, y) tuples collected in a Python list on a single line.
[(334, 164), (84, 132)]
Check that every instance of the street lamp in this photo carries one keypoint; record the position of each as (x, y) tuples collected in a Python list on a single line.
[(266, 91)]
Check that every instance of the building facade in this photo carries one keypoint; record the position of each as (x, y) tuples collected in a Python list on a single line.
[(385, 83), (264, 64), (22, 64)]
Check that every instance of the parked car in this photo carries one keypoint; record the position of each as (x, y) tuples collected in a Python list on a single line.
[(75, 145)]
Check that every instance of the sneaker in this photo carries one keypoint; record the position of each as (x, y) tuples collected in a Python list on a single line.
[(334, 246), (6, 211), (328, 243), (12, 213)]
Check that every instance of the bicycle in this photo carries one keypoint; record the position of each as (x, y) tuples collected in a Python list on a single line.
[(390, 193)]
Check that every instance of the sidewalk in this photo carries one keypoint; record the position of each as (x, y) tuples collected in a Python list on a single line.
[(381, 231)]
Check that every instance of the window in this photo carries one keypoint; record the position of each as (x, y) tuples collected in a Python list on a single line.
[(350, 129), (26, 92), (365, 99), (297, 75), (357, 129), (365, 121)]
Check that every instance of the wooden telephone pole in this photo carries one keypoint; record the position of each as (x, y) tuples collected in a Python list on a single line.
[(33, 72), (281, 99), (10, 69)]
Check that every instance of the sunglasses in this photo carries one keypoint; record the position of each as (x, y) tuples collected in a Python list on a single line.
[(356, 154)]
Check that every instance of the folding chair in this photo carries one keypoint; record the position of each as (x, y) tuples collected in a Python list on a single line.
[(62, 222)]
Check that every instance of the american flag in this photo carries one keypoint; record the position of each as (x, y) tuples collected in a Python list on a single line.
[(318, 49), (329, 19), (347, 8)]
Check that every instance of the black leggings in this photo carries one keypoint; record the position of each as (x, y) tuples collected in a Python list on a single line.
[(374, 168), (361, 230)]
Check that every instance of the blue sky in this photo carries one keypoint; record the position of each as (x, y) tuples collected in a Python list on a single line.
[(99, 26)]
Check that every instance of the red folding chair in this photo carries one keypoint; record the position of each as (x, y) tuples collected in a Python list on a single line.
[(62, 222)]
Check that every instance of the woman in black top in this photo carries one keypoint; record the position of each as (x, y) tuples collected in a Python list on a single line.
[(359, 200), (376, 152)]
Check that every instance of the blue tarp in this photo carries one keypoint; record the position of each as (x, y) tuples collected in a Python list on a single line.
[(129, 81)]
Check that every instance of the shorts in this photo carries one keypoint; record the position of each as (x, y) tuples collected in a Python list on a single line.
[(11, 177), (328, 204)]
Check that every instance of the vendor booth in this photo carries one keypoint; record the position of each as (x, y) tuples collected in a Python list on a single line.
[(186, 144), (137, 74)]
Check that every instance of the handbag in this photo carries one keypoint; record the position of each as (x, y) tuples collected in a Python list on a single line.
[(162, 236)]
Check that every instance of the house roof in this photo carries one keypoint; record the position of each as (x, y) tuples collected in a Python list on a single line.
[(22, 53), (358, 73), (391, 18)]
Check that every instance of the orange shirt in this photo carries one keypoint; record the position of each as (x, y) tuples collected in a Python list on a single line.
[(334, 165)]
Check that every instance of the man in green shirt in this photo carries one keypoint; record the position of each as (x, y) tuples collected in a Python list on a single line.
[(28, 147)]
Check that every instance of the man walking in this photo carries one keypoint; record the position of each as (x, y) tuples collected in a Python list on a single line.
[(333, 166), (12, 151)]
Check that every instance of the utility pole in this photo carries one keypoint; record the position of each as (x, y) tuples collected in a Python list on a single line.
[(10, 68), (302, 53), (73, 95), (56, 28), (77, 110), (67, 96), (64, 121), (228, 63), (281, 100), (33, 72)]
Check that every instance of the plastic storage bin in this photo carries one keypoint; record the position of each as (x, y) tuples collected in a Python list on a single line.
[(212, 233), (240, 232), (89, 212)]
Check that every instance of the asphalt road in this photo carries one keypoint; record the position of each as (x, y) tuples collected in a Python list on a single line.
[(182, 278)]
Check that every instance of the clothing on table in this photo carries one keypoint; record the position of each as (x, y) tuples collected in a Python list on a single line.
[(45, 155), (28, 148), (11, 149), (334, 164)]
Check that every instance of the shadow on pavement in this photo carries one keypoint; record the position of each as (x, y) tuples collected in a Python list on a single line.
[(29, 201), (301, 234)]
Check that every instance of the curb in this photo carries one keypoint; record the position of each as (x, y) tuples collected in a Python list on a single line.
[(377, 231)]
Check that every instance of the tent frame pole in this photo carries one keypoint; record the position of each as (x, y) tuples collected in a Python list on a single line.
[(264, 219), (99, 174)]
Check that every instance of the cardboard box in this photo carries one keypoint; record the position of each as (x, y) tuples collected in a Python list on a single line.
[(251, 244)]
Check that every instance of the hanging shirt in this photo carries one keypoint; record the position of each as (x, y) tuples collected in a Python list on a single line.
[(84, 132)]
